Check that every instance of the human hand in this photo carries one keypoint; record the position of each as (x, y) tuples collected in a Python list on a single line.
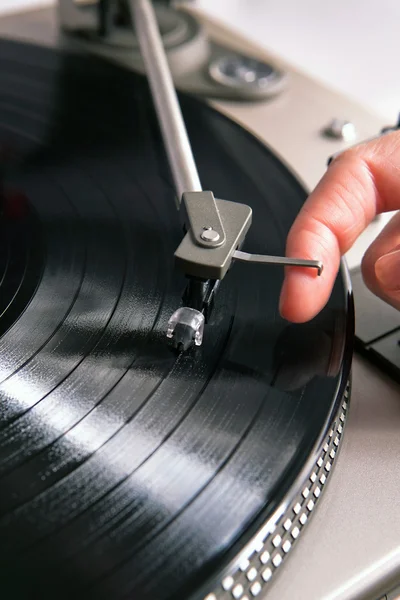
[(359, 184)]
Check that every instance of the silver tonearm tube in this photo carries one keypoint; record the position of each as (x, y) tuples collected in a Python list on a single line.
[(216, 228)]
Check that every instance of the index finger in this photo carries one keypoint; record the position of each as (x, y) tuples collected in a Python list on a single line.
[(359, 184)]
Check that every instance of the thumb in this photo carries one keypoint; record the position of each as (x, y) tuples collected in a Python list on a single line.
[(387, 270), (381, 264)]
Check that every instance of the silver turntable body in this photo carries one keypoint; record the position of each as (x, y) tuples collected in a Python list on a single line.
[(351, 548)]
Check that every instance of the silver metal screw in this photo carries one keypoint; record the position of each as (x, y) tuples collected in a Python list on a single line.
[(210, 235)]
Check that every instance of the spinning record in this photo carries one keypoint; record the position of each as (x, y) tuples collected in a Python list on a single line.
[(128, 470)]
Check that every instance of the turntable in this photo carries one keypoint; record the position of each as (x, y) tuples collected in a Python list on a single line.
[(164, 434)]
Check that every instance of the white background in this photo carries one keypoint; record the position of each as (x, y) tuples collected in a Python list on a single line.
[(8, 6), (352, 45)]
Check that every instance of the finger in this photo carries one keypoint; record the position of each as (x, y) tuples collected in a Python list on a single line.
[(359, 184), (381, 264)]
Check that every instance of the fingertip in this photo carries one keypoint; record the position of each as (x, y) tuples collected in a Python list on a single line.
[(298, 300), (303, 295), (305, 291)]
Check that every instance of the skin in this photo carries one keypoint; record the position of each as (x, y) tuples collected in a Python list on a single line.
[(360, 183)]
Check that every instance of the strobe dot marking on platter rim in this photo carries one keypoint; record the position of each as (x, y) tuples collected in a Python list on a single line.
[(127, 470)]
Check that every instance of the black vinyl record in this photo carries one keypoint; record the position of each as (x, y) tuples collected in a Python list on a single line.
[(126, 470)]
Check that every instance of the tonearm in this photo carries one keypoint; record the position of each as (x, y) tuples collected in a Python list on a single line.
[(215, 228)]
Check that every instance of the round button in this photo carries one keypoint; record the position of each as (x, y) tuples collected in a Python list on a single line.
[(210, 235), (241, 71), (340, 129)]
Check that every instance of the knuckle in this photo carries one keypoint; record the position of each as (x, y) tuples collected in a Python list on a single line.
[(353, 192), (318, 233)]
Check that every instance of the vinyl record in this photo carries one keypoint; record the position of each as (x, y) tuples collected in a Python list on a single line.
[(126, 470)]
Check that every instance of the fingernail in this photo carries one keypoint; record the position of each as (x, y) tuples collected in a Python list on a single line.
[(387, 270)]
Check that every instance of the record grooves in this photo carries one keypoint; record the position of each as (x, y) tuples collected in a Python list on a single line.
[(127, 471)]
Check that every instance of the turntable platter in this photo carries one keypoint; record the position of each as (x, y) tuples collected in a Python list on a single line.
[(127, 471)]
